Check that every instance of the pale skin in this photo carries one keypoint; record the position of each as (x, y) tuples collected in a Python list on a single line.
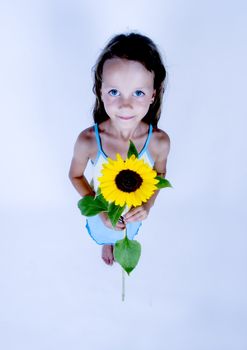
[(127, 92)]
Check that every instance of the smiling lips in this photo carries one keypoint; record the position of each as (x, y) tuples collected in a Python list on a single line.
[(125, 117)]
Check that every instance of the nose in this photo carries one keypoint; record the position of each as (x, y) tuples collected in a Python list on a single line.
[(125, 102)]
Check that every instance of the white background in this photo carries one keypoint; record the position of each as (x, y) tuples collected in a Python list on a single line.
[(189, 288)]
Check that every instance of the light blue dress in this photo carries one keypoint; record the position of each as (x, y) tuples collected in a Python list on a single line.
[(95, 227)]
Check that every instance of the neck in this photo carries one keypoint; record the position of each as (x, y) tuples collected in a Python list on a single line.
[(126, 133)]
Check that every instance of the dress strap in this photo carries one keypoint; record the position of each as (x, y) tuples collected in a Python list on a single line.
[(147, 140), (96, 129), (100, 150)]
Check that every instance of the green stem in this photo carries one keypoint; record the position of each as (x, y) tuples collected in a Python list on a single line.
[(123, 273), (123, 284)]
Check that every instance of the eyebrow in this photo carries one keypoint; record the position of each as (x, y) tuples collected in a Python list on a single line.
[(115, 87)]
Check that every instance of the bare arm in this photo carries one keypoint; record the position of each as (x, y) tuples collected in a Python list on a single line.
[(162, 148), (160, 163), (79, 162), (82, 152)]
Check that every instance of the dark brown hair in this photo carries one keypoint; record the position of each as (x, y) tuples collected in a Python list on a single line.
[(136, 47)]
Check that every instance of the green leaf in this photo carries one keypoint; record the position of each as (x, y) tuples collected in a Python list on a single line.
[(98, 191), (90, 206), (132, 150), (162, 182), (114, 212), (101, 199), (127, 253)]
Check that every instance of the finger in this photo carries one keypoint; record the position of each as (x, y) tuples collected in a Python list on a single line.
[(137, 217), (120, 226), (132, 212)]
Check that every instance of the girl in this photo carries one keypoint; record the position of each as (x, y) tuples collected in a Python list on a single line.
[(129, 81)]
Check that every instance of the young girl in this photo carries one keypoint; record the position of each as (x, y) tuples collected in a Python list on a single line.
[(128, 85)]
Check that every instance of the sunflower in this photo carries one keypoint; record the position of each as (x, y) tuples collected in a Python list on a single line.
[(130, 181)]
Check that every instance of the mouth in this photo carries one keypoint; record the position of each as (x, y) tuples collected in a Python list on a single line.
[(126, 117)]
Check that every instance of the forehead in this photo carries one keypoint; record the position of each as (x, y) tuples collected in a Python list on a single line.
[(117, 70)]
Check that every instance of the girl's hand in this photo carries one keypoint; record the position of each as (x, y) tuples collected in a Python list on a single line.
[(137, 213), (107, 222)]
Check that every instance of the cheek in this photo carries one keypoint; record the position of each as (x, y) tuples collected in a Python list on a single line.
[(108, 101), (145, 103)]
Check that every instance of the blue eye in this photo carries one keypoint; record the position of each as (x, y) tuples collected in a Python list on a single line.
[(139, 93), (113, 92)]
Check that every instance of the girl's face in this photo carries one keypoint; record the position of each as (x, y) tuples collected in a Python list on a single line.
[(127, 91)]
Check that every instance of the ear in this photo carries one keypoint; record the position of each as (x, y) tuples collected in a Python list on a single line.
[(153, 96)]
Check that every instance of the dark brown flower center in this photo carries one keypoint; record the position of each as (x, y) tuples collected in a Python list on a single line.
[(128, 181)]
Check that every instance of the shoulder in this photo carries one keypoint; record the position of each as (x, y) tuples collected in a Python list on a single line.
[(86, 142), (160, 144), (86, 135)]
